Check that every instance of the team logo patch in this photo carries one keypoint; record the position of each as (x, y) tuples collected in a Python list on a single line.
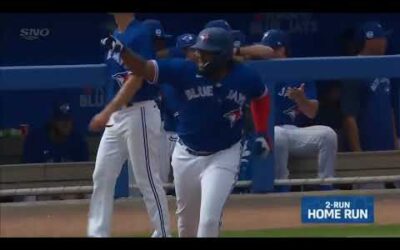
[(204, 37), (120, 77), (234, 116), (187, 38)]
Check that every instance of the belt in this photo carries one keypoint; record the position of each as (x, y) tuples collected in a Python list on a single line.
[(198, 153), (195, 152)]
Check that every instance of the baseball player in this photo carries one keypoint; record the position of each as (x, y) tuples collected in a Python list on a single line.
[(368, 121), (295, 106), (132, 132), (212, 94)]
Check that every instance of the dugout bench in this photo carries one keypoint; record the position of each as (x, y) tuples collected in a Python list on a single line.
[(17, 176)]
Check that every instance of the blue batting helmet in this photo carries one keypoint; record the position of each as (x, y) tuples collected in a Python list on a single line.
[(217, 41)]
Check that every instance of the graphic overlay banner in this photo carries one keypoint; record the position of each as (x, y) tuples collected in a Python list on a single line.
[(337, 209)]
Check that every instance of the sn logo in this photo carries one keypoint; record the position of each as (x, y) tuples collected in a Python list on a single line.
[(31, 34)]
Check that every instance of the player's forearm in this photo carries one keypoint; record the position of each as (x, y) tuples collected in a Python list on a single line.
[(260, 109), (137, 64), (351, 129), (257, 51), (308, 107), (125, 94)]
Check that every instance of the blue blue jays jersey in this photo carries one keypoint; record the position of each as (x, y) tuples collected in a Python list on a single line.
[(39, 148), (286, 110), (169, 107), (370, 102), (138, 38), (210, 113)]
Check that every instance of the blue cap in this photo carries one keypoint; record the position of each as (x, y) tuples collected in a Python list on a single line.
[(370, 30), (219, 23), (62, 111), (185, 40), (156, 28), (275, 38), (239, 39)]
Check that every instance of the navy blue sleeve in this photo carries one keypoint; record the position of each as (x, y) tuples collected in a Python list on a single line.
[(171, 71), (350, 98)]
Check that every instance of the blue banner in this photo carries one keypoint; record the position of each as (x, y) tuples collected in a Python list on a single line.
[(337, 209)]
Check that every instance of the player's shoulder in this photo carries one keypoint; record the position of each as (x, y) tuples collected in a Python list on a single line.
[(243, 70)]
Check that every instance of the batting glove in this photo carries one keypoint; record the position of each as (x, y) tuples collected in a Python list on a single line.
[(112, 44), (261, 145)]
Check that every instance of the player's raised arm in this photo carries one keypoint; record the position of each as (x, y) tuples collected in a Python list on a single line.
[(132, 61)]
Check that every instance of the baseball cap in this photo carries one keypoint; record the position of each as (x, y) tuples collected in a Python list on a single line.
[(185, 40), (156, 28), (219, 23), (239, 39), (275, 38), (62, 112), (370, 30)]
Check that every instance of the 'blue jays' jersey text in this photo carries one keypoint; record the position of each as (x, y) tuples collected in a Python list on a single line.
[(210, 113), (138, 38), (286, 110)]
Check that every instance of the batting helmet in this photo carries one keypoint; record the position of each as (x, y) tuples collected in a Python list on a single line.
[(219, 42)]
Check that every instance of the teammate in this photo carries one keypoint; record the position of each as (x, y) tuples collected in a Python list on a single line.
[(184, 43), (131, 132), (295, 106), (212, 95), (366, 104), (159, 37), (58, 141)]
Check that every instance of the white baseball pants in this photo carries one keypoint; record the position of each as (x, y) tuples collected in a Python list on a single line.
[(132, 133), (203, 185), (307, 141)]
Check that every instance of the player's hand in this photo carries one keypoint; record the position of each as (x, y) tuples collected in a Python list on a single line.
[(296, 94), (262, 145), (99, 121), (112, 44)]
